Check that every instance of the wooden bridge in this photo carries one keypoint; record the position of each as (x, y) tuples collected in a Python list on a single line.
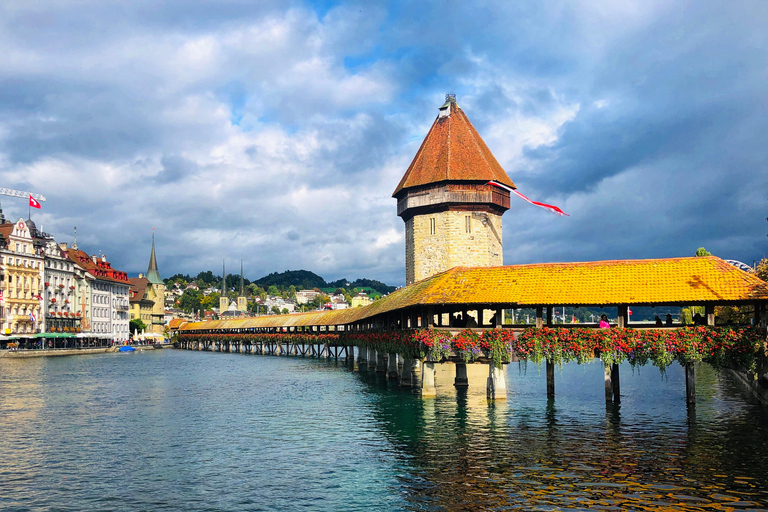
[(477, 297)]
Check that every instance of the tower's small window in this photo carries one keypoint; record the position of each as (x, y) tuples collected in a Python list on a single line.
[(468, 224), (432, 228)]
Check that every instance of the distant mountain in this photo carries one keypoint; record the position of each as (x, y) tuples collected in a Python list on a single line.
[(363, 283), (301, 279), (306, 280)]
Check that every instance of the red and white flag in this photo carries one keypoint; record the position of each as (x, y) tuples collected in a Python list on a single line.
[(33, 202), (554, 209)]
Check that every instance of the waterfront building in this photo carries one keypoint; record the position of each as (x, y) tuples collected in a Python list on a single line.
[(109, 309), (452, 213), (60, 295), (141, 305), (21, 274)]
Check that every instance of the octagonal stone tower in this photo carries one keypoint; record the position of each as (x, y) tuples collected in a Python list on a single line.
[(451, 211)]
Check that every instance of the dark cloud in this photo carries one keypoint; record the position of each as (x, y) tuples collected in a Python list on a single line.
[(277, 133)]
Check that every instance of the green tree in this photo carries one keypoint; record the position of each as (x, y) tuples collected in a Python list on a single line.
[(273, 291), (210, 301), (190, 301), (136, 325), (700, 252), (275, 310), (284, 311), (762, 269)]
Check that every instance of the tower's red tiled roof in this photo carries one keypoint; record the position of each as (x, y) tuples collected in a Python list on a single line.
[(453, 151)]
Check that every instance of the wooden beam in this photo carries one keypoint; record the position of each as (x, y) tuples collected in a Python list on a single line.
[(709, 310), (539, 317), (623, 316)]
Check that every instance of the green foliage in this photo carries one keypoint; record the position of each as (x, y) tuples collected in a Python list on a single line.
[(137, 325), (302, 279), (190, 301), (762, 269), (700, 252), (275, 310)]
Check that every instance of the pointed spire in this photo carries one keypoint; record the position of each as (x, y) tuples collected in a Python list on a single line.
[(223, 279), (74, 244), (2, 217), (452, 151), (153, 275), (242, 284)]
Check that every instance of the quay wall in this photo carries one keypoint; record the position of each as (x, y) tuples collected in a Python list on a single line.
[(21, 354)]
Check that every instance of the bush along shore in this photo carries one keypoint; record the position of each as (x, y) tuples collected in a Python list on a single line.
[(719, 346)]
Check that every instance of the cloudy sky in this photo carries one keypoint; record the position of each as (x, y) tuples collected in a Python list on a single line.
[(277, 131)]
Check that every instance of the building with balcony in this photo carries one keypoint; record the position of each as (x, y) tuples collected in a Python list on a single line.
[(21, 283)]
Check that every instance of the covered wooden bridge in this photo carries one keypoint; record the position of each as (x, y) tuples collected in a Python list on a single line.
[(477, 297)]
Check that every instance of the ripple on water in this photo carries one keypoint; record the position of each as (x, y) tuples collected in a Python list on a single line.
[(173, 430)]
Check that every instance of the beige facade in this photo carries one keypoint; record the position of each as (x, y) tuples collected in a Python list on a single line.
[(439, 241), (22, 269)]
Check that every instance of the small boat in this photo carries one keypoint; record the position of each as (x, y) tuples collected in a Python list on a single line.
[(126, 348)]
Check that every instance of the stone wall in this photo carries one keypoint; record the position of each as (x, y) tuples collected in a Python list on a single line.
[(451, 244)]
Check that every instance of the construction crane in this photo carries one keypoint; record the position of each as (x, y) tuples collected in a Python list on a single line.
[(19, 193)]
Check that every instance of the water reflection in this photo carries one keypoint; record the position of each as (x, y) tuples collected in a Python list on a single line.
[(648, 453)]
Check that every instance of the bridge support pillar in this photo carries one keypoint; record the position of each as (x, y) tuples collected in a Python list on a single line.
[(690, 385), (407, 373), (371, 360), (392, 373), (612, 383), (351, 355), (461, 381), (362, 352), (428, 388), (381, 362), (497, 385), (550, 379)]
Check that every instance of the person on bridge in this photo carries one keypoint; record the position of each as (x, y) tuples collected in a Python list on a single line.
[(658, 321), (604, 322), (669, 320)]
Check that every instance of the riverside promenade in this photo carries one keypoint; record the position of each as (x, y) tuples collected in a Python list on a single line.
[(406, 333)]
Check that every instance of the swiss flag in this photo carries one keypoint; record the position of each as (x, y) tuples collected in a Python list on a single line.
[(33, 202)]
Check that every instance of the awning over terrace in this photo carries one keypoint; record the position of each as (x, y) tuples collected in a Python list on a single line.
[(673, 281)]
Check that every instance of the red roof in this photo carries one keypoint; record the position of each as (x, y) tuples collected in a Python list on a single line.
[(453, 151), (99, 269)]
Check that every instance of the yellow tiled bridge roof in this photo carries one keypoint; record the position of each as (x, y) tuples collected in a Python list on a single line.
[(683, 281)]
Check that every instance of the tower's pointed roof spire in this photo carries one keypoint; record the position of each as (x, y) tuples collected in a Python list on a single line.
[(153, 275), (2, 217), (223, 278), (242, 284), (452, 151)]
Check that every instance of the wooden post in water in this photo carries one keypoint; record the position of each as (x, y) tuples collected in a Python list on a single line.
[(381, 362), (428, 388), (690, 384), (461, 381), (608, 384), (615, 383), (392, 367), (497, 385), (550, 379), (406, 375)]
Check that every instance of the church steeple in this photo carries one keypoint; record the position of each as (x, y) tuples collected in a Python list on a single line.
[(223, 299), (153, 275), (242, 301)]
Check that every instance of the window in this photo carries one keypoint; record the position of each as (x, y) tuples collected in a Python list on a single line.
[(432, 228), (468, 224)]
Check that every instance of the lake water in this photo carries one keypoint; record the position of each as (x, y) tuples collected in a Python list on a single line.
[(191, 431)]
